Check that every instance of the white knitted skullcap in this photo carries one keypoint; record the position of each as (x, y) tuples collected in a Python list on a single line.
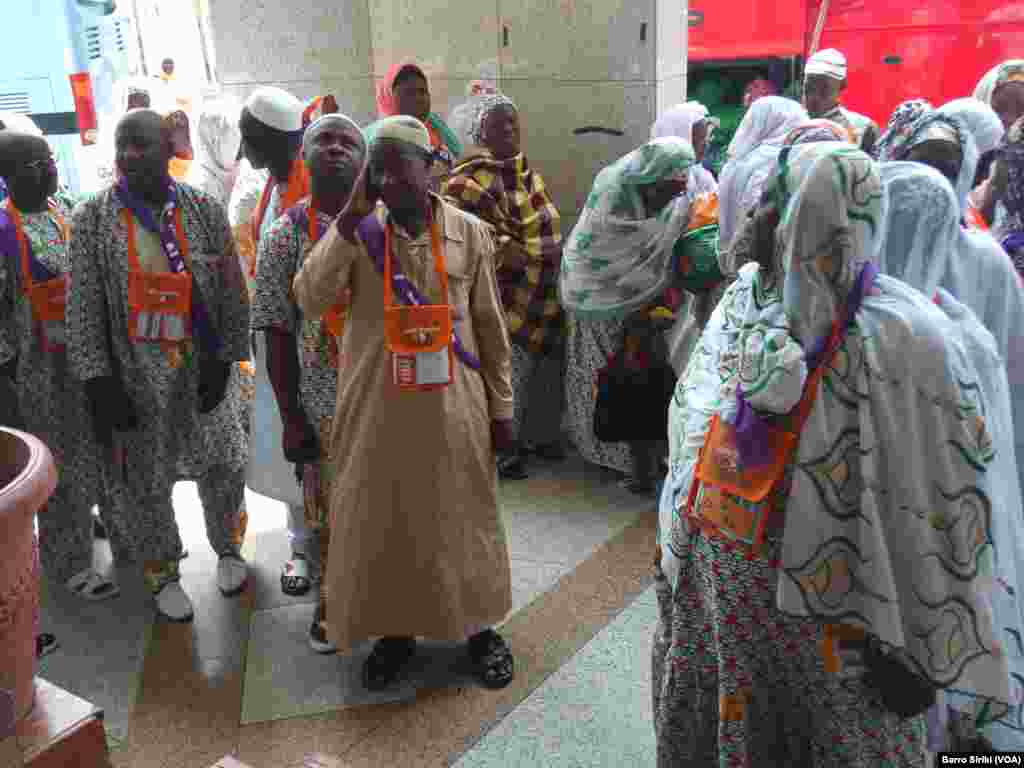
[(830, 63), (276, 109)]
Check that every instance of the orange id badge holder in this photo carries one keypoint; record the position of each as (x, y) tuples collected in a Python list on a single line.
[(732, 498), (49, 303), (159, 303), (49, 298), (419, 337)]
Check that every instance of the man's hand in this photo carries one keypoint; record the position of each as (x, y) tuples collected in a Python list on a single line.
[(111, 409), (360, 205), (502, 436), (213, 384), (299, 440)]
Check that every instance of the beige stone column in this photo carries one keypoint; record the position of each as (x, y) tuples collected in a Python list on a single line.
[(569, 64)]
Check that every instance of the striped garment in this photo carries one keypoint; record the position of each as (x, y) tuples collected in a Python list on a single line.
[(512, 198)]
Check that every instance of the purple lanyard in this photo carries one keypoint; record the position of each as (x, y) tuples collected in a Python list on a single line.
[(9, 244), (165, 230), (372, 235)]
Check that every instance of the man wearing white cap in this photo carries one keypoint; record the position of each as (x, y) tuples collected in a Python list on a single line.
[(824, 82), (302, 351), (271, 128), (272, 124), (424, 401)]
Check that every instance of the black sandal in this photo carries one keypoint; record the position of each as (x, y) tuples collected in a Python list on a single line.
[(512, 468), (45, 644), (553, 453), (386, 662), (492, 659)]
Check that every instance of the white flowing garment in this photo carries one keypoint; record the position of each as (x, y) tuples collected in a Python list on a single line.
[(752, 154), (970, 265), (618, 257), (886, 522), (216, 167), (981, 120), (922, 250)]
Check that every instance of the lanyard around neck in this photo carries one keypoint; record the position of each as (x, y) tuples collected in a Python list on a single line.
[(133, 254), (435, 247), (15, 214), (313, 223)]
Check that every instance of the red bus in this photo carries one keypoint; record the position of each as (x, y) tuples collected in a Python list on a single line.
[(895, 49)]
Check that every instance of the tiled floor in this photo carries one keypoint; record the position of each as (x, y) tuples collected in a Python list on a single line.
[(605, 689), (242, 679)]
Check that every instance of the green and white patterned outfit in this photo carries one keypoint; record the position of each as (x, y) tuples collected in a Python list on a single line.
[(882, 526)]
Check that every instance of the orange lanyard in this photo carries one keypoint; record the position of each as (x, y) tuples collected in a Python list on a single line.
[(313, 223), (133, 254), (15, 214), (435, 247)]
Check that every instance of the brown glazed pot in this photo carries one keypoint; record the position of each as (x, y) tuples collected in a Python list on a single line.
[(28, 478)]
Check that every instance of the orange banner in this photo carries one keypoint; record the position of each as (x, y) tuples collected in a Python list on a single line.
[(85, 107)]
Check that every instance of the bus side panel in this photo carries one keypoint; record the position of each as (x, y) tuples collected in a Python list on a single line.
[(889, 66), (745, 29)]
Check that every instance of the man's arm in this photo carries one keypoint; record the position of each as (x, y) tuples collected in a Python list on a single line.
[(493, 344), (233, 309), (326, 273), (273, 312), (88, 329)]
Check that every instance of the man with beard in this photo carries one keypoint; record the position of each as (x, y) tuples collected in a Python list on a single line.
[(424, 400), (156, 323), (302, 354)]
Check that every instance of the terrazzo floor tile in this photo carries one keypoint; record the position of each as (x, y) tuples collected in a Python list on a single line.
[(595, 711), (531, 579), (285, 678), (101, 645)]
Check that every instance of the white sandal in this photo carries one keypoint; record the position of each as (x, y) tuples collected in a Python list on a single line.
[(92, 586)]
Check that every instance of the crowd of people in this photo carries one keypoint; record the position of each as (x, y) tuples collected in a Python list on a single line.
[(808, 360)]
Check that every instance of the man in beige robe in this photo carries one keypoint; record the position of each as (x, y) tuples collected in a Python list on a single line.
[(417, 532)]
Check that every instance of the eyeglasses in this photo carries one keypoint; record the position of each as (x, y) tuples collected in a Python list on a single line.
[(38, 165)]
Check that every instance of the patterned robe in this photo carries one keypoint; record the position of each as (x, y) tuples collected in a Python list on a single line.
[(52, 404), (173, 441)]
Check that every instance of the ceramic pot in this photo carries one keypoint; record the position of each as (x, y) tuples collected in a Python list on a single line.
[(28, 478)]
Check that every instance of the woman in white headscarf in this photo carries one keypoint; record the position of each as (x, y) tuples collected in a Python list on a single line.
[(752, 154), (1002, 88), (690, 122), (922, 235), (216, 164), (980, 119), (617, 261), (779, 613), (987, 130), (944, 142)]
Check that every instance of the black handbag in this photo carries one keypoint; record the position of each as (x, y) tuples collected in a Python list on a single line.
[(903, 691), (632, 405)]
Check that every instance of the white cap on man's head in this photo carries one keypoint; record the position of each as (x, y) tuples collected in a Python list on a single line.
[(276, 109), (830, 63)]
